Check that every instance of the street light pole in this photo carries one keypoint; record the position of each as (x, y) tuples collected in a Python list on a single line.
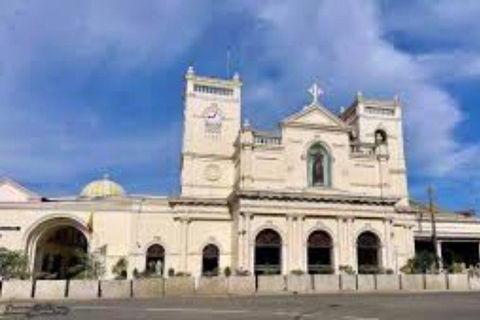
[(434, 227)]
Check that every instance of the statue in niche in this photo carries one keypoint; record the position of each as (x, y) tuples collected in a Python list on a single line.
[(318, 169)]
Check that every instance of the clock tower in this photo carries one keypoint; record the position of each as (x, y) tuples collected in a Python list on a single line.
[(212, 116)]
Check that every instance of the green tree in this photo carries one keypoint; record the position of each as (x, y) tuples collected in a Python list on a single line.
[(120, 268), (421, 263), (89, 266), (13, 264)]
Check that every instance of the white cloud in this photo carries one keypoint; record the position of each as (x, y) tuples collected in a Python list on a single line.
[(45, 138), (343, 43), (443, 22)]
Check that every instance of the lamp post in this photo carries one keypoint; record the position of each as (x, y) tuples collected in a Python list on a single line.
[(431, 209)]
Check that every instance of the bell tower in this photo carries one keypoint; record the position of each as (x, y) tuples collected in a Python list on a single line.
[(212, 116)]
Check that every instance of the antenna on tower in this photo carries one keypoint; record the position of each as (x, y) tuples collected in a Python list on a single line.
[(228, 62)]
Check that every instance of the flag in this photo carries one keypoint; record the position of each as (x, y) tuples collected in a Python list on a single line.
[(90, 223)]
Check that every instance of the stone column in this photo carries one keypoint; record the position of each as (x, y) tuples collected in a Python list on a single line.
[(240, 240), (337, 246), (184, 223), (181, 246), (187, 239), (351, 259), (293, 243), (249, 244), (387, 223), (301, 246), (289, 243)]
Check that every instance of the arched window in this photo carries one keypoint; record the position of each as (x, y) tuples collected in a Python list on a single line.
[(319, 253), (155, 259), (380, 137), (319, 163), (368, 253), (268, 252), (210, 257)]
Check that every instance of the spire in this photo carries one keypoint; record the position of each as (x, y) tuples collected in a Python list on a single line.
[(396, 100), (246, 124), (236, 76), (359, 96), (190, 72)]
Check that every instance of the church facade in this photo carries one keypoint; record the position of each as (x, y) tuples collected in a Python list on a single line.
[(323, 194)]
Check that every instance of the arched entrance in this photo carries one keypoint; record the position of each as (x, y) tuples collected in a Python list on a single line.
[(319, 253), (268, 252), (155, 262), (210, 257), (58, 252), (368, 253)]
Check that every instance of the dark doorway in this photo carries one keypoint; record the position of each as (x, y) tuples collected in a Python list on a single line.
[(424, 247), (268, 252), (368, 253), (210, 257), (155, 263), (319, 253), (60, 252), (460, 252)]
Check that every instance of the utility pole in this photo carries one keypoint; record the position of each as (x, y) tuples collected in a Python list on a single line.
[(228, 62), (431, 209)]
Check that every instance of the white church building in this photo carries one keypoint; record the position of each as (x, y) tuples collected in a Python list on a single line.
[(324, 193)]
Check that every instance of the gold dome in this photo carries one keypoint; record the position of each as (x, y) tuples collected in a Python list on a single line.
[(104, 188)]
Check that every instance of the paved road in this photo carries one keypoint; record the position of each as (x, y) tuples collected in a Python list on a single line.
[(438, 306)]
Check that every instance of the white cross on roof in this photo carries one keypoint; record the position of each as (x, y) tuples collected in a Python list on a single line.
[(316, 92)]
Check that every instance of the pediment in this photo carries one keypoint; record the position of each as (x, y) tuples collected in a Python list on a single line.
[(11, 191), (315, 115)]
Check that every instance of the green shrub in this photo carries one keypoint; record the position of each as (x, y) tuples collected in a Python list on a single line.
[(89, 266), (297, 272), (366, 269), (227, 272), (346, 269), (421, 263), (13, 264), (120, 269)]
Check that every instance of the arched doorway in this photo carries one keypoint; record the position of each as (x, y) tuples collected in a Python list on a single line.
[(155, 261), (268, 252), (319, 253), (368, 253), (60, 252), (210, 258)]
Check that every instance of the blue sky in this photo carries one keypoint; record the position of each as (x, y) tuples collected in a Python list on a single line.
[(88, 87)]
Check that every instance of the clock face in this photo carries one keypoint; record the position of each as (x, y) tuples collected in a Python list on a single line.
[(213, 116)]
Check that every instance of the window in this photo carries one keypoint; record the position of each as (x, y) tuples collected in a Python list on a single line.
[(210, 257), (380, 137), (319, 253), (318, 166), (368, 253), (213, 90), (268, 252), (380, 111)]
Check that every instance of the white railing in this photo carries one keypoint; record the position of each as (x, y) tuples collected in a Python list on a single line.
[(267, 140)]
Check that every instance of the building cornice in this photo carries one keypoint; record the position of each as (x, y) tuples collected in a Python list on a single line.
[(197, 201), (315, 197)]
